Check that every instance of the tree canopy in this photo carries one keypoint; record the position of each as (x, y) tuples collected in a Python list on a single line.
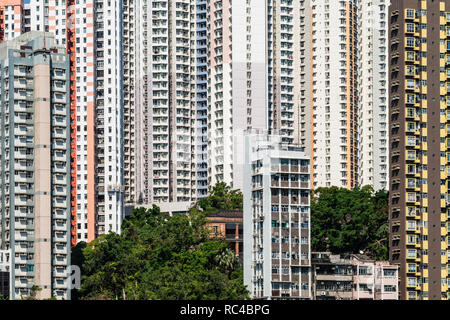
[(222, 197), (350, 221), (160, 257)]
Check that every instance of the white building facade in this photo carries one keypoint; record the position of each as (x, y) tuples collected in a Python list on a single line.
[(373, 93), (277, 256), (254, 61)]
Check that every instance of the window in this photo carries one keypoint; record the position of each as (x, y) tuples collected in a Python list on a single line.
[(412, 282), (410, 27), (410, 42), (410, 13), (410, 56), (390, 288), (365, 270), (389, 272), (363, 287)]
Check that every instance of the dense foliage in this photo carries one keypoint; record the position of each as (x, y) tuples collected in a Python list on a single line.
[(160, 257), (222, 197), (350, 221)]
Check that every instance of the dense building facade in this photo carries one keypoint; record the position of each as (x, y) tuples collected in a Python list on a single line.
[(35, 165), (250, 65), (172, 108), (142, 9), (130, 19), (333, 99), (373, 94), (202, 99), (253, 63), (277, 257), (91, 31), (419, 67)]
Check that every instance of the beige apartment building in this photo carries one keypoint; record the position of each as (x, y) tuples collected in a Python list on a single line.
[(35, 165)]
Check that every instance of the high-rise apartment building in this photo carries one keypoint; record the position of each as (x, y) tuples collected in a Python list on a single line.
[(98, 85), (277, 257), (419, 169), (129, 22), (203, 74), (220, 80), (202, 99), (333, 107), (305, 75), (35, 168), (373, 93), (91, 31), (142, 9), (11, 19), (170, 113), (170, 102), (254, 60)]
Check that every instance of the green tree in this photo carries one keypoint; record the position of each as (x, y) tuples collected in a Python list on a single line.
[(160, 257), (34, 290), (222, 197), (350, 221)]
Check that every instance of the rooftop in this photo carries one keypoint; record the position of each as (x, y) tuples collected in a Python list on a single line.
[(227, 214)]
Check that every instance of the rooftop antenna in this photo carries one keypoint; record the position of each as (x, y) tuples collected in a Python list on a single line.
[(44, 48)]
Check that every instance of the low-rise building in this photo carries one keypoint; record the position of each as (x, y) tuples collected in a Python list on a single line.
[(228, 225), (353, 277)]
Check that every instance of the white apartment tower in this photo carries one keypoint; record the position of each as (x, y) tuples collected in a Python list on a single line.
[(254, 59), (373, 93), (129, 24), (333, 100), (169, 140), (277, 256), (347, 133), (140, 36)]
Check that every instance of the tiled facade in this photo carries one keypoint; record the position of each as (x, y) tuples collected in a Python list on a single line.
[(419, 39)]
